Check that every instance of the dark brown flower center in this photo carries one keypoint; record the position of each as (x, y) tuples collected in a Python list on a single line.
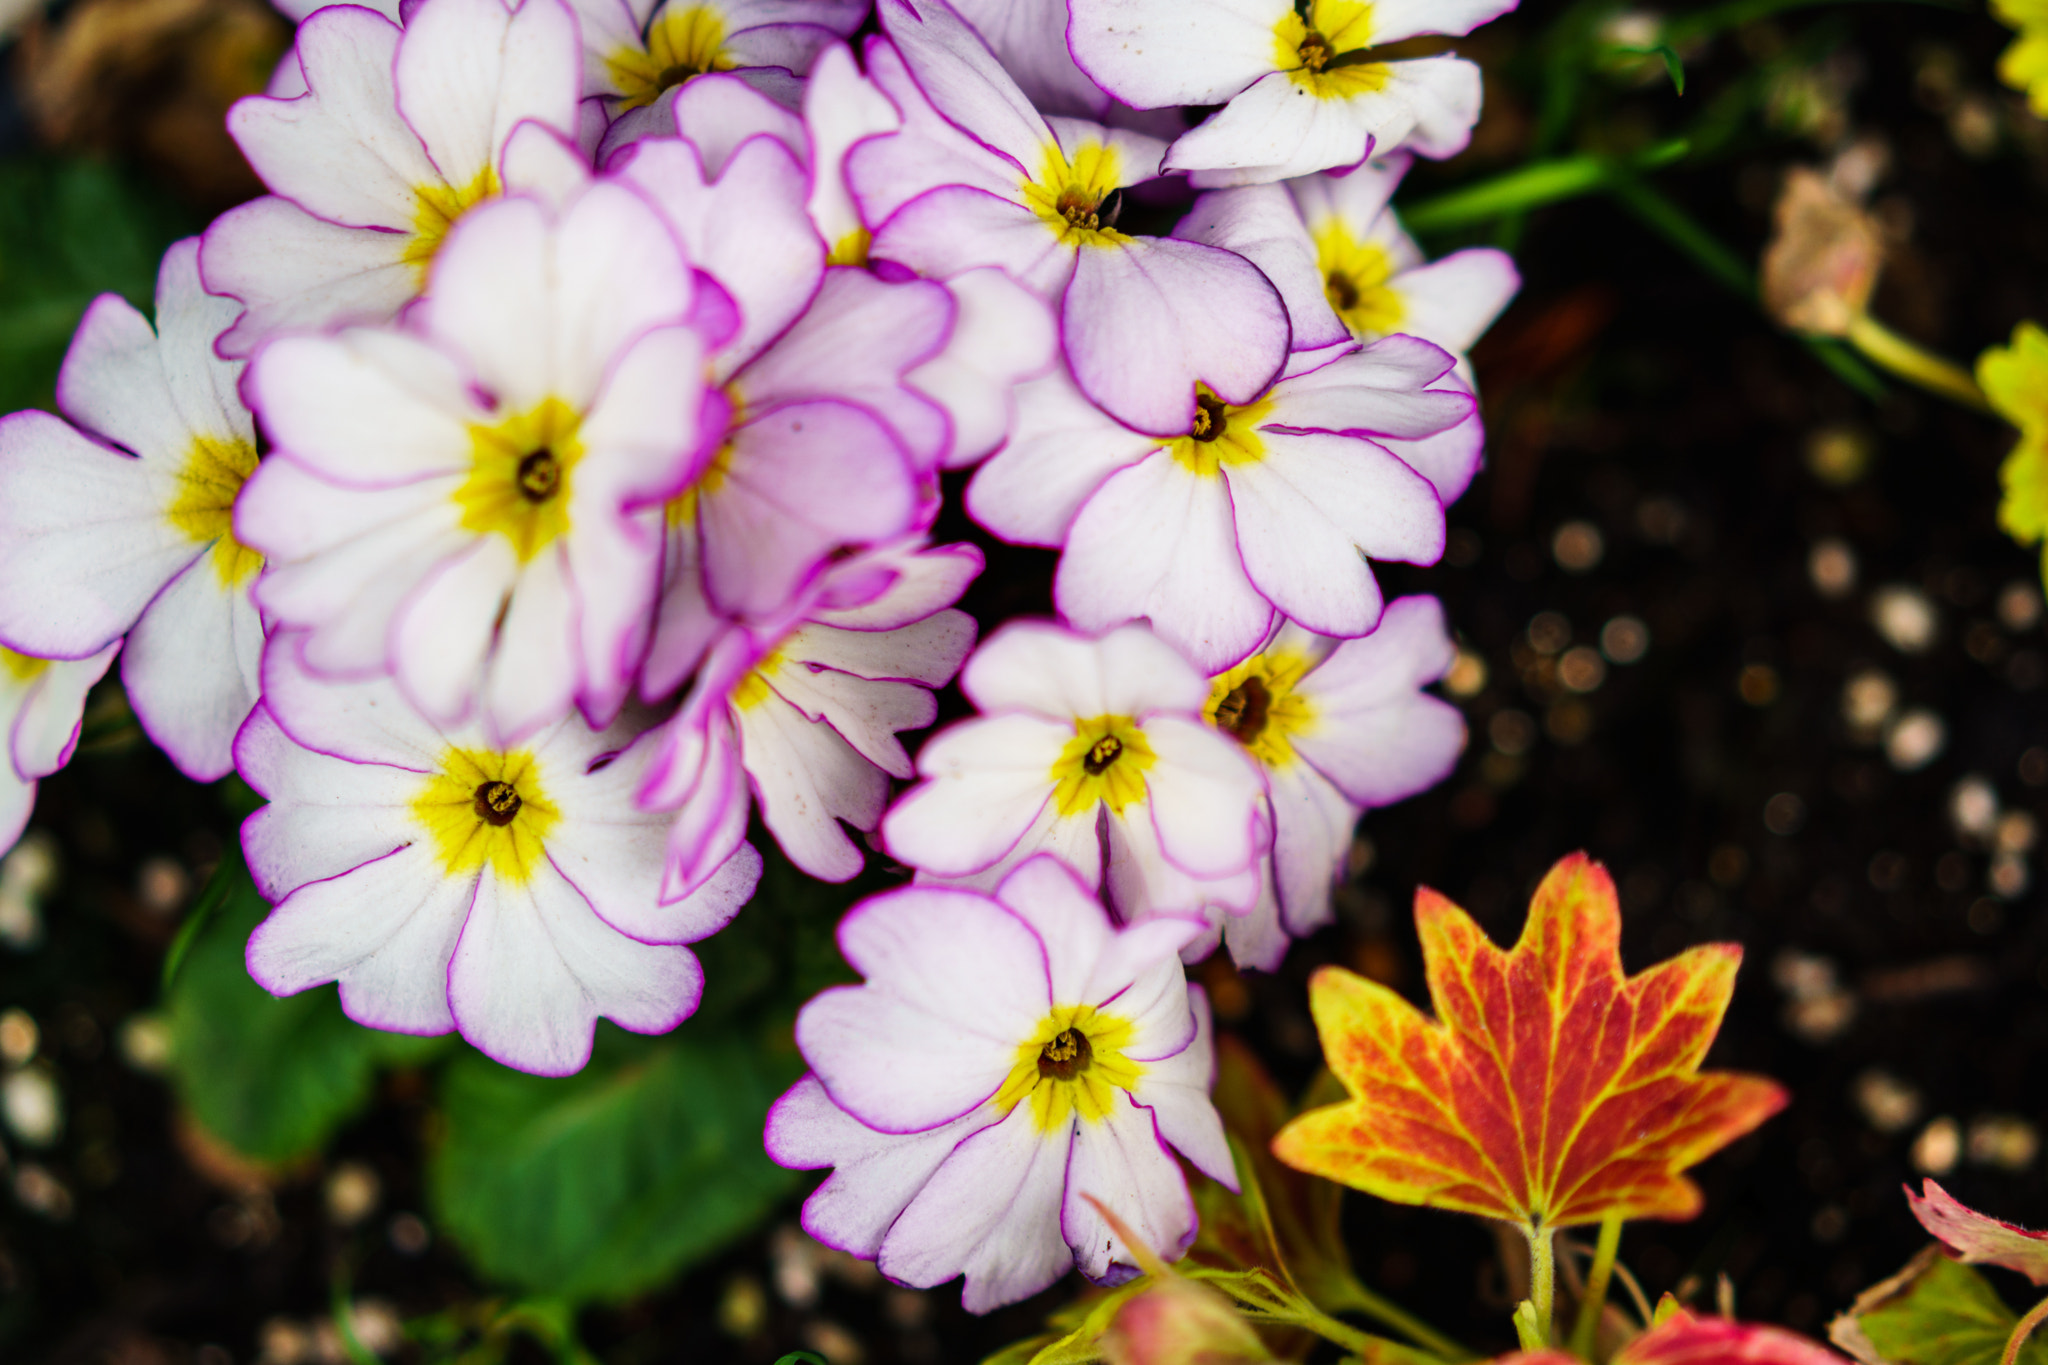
[(1342, 289), (497, 803), (540, 474), (673, 76), (1103, 753), (1212, 417), (1245, 709), (1066, 1056), (1315, 51)]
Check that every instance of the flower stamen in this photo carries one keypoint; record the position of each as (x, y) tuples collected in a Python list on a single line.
[(540, 475), (497, 803), (1066, 1056)]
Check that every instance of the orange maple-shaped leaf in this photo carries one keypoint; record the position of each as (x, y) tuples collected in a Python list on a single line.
[(1553, 1091)]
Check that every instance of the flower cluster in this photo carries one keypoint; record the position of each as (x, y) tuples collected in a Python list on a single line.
[(532, 495)]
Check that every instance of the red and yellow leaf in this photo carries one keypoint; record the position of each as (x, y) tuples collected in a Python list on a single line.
[(1552, 1090)]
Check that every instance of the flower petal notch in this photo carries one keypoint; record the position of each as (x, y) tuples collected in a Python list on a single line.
[(1552, 1090)]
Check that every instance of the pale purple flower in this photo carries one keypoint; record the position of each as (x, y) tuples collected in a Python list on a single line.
[(634, 51), (1266, 508), (400, 134), (1338, 726), (120, 522), (1006, 1058), (1302, 88), (473, 501), (447, 881), (800, 716), (1086, 745), (977, 177)]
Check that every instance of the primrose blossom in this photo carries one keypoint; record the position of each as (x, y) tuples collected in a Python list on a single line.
[(472, 502), (802, 713), (636, 50), (1087, 748), (120, 522), (1005, 1057), (449, 881), (1337, 726), (977, 177), (1303, 88), (399, 133), (1255, 510), (42, 703)]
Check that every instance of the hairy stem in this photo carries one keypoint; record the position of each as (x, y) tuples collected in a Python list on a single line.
[(1542, 1275), (1357, 1297), (1590, 1306), (2023, 1329)]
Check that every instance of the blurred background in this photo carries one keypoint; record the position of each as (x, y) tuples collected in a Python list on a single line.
[(1736, 617)]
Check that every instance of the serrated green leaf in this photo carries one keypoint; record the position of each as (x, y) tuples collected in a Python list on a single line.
[(71, 229), (602, 1184), (271, 1078), (1937, 1312)]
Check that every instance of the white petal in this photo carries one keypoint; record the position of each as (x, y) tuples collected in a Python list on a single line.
[(1312, 825), (1261, 224), (1205, 795), (1061, 449), (1279, 129), (186, 669), (1154, 53), (325, 815), (1122, 1162), (469, 71), (45, 730), (987, 781), (807, 779), (1176, 1090)]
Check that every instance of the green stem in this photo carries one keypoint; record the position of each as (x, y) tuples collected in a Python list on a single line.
[(1364, 1344), (1913, 364), (2021, 1330), (1355, 1295), (1542, 1275), (1532, 186), (1586, 1329)]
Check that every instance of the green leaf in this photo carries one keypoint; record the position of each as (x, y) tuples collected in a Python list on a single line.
[(271, 1078), (71, 229), (1934, 1312), (1674, 65), (602, 1184)]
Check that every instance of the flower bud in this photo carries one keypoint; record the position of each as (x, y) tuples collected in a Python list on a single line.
[(1181, 1322), (1823, 257)]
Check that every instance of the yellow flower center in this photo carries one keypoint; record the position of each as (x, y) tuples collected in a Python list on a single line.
[(204, 508), (1255, 703), (1104, 762), (852, 249), (1071, 1066), (1073, 198), (1221, 434), (489, 808), (682, 42), (1328, 52), (21, 667), (753, 689), (435, 209), (518, 484), (1355, 276)]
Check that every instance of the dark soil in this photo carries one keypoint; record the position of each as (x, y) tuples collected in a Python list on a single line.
[(1624, 390)]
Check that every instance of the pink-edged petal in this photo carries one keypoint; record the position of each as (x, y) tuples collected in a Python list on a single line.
[(384, 930), (1979, 1238), (1393, 20), (955, 70), (953, 981), (444, 634), (808, 779), (896, 584), (84, 542), (1030, 38), (1450, 459), (533, 674), (342, 152), (1440, 103), (990, 1212), (1261, 224), (855, 343), (842, 108), (1060, 451), (1143, 881), (1453, 300), (1122, 1162), (1382, 390), (469, 71), (875, 1174), (1312, 826), (864, 713), (1134, 972), (803, 480), (719, 112), (325, 815), (1257, 939), (1003, 334), (928, 651), (885, 173), (1158, 541), (955, 228), (1353, 198), (17, 803), (1149, 317), (1279, 129), (1176, 1090), (535, 969), (711, 817), (545, 163), (293, 271), (1205, 796), (1155, 53), (1036, 666), (366, 721), (364, 408), (1375, 735), (45, 730), (986, 782), (749, 228), (191, 669)]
